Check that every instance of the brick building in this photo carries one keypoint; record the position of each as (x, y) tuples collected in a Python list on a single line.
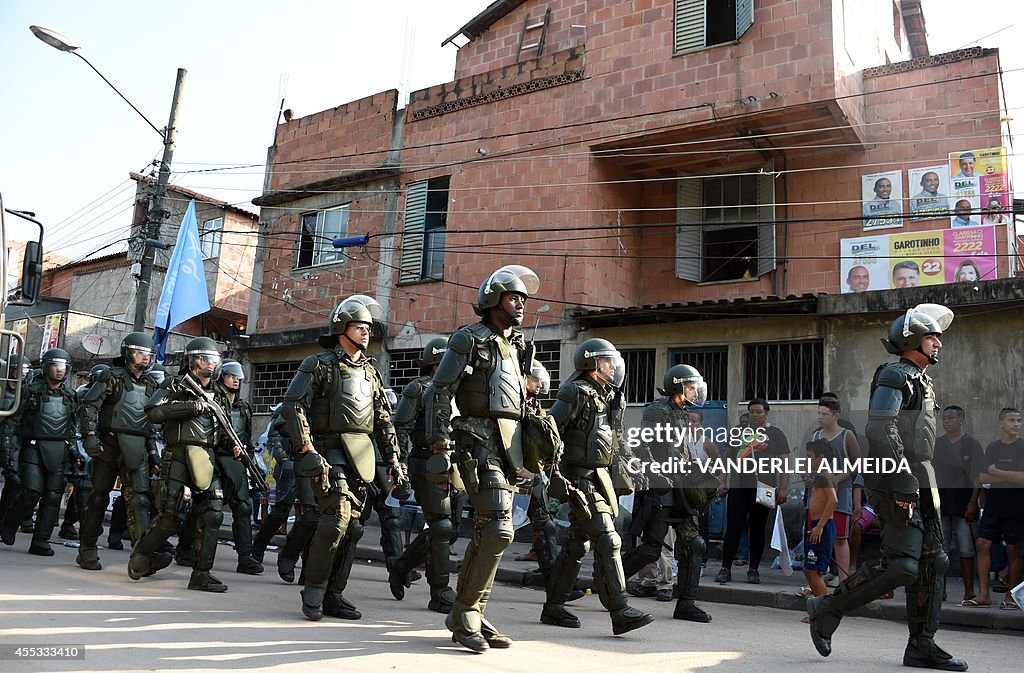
[(95, 298), (680, 175)]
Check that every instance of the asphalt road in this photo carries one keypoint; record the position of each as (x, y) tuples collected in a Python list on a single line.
[(157, 625)]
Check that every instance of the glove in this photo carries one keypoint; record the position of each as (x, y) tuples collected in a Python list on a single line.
[(312, 466), (402, 487), (202, 407), (92, 445)]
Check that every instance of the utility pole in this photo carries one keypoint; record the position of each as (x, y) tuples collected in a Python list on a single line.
[(156, 209)]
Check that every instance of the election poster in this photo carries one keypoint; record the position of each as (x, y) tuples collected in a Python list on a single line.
[(929, 187), (51, 333), (980, 187), (891, 261), (882, 200)]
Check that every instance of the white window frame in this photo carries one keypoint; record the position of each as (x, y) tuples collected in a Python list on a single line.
[(691, 225), (327, 225), (211, 237), (690, 25)]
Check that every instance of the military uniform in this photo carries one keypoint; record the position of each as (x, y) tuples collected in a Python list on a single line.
[(45, 422), (337, 405), (588, 415), (430, 548), (122, 442), (189, 475), (279, 447), (10, 450), (236, 481), (901, 425), (671, 501)]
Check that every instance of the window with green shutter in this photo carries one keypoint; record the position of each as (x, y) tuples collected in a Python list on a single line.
[(705, 23), (424, 228), (725, 226)]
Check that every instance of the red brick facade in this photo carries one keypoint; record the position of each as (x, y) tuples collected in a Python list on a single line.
[(567, 163)]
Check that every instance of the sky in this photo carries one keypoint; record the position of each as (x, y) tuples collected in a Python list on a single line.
[(67, 142)]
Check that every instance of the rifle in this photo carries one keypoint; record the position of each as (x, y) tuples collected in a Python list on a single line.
[(255, 475)]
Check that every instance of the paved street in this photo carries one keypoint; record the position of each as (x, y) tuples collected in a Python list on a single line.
[(157, 625)]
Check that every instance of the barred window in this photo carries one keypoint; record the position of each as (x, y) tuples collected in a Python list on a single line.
[(404, 367), (712, 363), (784, 372), (549, 353), (640, 379), (270, 381)]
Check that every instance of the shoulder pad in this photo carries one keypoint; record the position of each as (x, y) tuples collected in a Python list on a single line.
[(310, 363), (655, 411), (893, 376), (479, 330), (568, 392), (413, 389), (461, 341)]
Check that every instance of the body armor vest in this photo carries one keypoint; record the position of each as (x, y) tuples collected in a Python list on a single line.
[(347, 402), (915, 422), (589, 438), (53, 420), (668, 416), (128, 413), (419, 428), (238, 423), (494, 386)]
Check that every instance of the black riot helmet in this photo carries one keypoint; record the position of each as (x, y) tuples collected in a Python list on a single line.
[(138, 342), (433, 352), (357, 308), (676, 380), (602, 356), (158, 372), (509, 278), (907, 331), (233, 367), (96, 371), (203, 351), (53, 359)]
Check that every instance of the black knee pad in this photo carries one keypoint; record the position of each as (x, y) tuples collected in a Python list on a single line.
[(441, 528), (608, 543), (698, 546), (903, 568), (355, 531)]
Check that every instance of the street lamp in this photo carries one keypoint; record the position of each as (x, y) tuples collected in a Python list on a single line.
[(156, 210)]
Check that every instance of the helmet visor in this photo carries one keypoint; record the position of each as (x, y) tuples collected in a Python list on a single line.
[(611, 368), (539, 380), (935, 315), (508, 274), (695, 391)]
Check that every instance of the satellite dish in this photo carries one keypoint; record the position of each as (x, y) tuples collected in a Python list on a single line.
[(98, 344)]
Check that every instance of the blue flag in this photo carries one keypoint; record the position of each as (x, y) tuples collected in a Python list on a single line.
[(184, 293)]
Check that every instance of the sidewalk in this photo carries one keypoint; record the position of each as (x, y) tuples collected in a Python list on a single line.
[(775, 591)]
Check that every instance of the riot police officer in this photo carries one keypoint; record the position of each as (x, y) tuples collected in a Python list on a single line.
[(232, 472), (45, 423), (673, 499), (483, 369), (901, 425), (189, 471), (120, 440), (10, 446), (434, 496), (335, 409), (279, 447), (588, 413)]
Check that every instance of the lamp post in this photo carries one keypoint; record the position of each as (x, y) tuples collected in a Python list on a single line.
[(156, 209)]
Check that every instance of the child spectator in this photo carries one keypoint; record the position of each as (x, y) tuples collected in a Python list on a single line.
[(1003, 515), (821, 528)]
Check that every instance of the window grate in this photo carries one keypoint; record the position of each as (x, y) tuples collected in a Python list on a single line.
[(640, 378), (784, 372), (712, 363)]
